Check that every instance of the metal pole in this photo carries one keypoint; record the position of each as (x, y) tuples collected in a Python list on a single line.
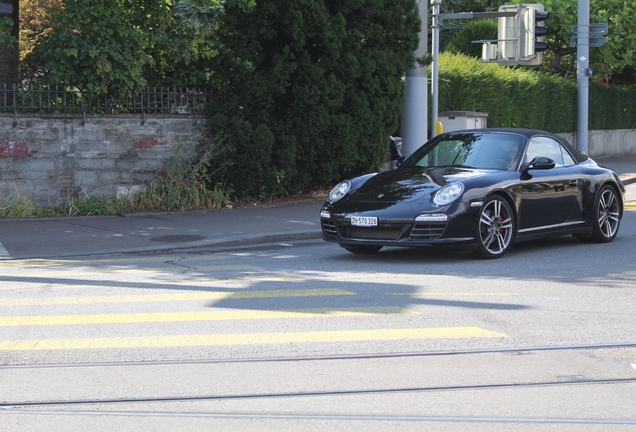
[(415, 110), (583, 73), (435, 75)]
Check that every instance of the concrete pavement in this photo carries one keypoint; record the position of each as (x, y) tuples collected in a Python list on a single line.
[(147, 232)]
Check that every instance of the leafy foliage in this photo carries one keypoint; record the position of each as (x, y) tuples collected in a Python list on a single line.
[(95, 45), (474, 30), (312, 90), (106, 46), (452, 27), (6, 38), (35, 18), (520, 97), (614, 58)]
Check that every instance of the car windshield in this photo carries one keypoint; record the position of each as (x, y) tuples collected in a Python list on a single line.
[(501, 151)]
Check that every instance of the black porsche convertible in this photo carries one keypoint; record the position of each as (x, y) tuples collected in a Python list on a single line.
[(482, 189)]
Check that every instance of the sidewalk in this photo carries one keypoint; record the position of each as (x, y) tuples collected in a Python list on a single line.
[(147, 232), (624, 166)]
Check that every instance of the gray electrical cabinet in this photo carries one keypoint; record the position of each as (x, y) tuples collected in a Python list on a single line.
[(458, 120)]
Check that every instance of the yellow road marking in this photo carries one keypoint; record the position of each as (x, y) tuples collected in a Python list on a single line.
[(255, 338), (202, 283), (631, 205), (146, 298), (153, 317), (263, 279), (444, 294)]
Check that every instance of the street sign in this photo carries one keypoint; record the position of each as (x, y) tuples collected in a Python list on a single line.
[(595, 29), (595, 41)]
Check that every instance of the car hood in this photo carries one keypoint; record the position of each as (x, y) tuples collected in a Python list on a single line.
[(407, 184)]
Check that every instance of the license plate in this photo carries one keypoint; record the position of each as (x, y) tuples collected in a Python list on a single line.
[(364, 221)]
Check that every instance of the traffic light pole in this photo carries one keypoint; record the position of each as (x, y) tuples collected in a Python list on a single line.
[(435, 73), (583, 74), (438, 18)]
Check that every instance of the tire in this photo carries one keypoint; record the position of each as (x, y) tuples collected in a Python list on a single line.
[(606, 215), (496, 228), (362, 250)]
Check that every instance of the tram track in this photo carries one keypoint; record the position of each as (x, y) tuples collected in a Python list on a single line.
[(324, 357), (327, 416), (69, 402), (67, 406)]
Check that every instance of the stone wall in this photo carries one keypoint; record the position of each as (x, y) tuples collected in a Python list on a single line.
[(610, 143), (51, 158)]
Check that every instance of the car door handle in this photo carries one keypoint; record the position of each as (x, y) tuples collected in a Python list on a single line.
[(574, 182)]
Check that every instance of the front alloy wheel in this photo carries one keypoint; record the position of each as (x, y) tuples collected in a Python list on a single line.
[(496, 228), (607, 215)]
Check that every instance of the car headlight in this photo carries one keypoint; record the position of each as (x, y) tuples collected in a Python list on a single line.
[(447, 194), (339, 191)]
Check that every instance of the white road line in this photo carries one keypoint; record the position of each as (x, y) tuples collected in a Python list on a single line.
[(3, 252)]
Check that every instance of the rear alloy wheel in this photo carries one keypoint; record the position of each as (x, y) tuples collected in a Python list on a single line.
[(496, 228), (606, 216), (362, 250)]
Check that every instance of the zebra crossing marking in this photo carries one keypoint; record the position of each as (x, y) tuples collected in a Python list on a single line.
[(151, 298), (154, 317), (250, 339)]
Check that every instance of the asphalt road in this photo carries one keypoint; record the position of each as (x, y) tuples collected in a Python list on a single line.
[(305, 336)]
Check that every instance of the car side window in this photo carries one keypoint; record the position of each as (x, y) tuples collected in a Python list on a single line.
[(545, 147), (567, 159)]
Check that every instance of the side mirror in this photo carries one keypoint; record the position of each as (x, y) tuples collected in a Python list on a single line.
[(540, 163)]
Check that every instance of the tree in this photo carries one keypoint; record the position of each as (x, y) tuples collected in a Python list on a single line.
[(35, 18), (452, 27), (9, 50), (97, 45), (105, 46), (612, 62), (312, 90), (474, 30)]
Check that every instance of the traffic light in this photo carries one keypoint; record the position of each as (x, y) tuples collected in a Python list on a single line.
[(508, 32), (532, 32), (519, 34)]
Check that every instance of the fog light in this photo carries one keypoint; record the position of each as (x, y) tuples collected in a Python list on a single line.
[(325, 214), (435, 217)]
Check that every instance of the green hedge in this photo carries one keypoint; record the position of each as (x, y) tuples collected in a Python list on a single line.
[(311, 91), (522, 97)]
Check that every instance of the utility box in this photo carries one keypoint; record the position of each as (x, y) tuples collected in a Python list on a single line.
[(458, 120)]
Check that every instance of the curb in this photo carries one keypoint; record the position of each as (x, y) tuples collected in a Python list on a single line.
[(629, 180)]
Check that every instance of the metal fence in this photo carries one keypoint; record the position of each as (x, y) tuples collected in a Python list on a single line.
[(60, 99)]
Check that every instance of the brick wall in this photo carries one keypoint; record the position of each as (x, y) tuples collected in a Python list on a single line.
[(50, 158)]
